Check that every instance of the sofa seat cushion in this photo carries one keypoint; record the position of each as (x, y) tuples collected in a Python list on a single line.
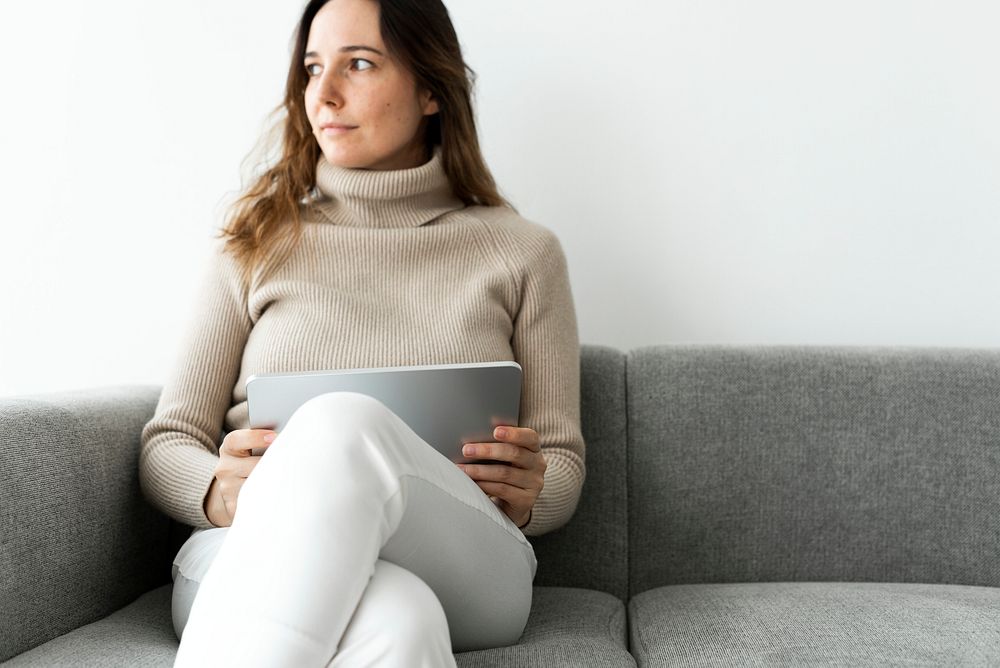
[(567, 627), (140, 634), (816, 623)]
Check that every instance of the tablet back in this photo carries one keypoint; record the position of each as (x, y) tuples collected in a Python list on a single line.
[(447, 405)]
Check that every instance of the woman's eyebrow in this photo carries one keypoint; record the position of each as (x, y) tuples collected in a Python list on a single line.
[(345, 49)]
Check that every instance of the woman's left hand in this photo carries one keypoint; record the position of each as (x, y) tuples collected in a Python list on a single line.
[(517, 483)]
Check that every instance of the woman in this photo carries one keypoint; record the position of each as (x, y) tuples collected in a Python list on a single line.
[(377, 239)]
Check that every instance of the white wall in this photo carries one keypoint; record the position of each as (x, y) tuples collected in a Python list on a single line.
[(719, 172)]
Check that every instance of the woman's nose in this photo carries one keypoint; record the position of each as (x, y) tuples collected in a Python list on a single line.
[(330, 88)]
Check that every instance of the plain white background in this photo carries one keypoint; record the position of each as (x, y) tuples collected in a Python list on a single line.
[(719, 172)]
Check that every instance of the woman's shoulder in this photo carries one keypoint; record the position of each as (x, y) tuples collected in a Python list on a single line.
[(508, 226)]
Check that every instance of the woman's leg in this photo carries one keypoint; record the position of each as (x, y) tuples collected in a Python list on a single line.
[(399, 622), (188, 570), (344, 483)]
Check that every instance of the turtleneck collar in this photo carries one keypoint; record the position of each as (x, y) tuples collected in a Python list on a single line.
[(385, 198)]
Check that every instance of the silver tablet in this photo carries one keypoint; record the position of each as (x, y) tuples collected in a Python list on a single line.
[(447, 405)]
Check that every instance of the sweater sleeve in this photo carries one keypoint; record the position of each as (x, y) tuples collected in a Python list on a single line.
[(545, 343), (179, 446)]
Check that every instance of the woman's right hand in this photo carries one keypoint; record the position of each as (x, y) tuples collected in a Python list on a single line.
[(236, 462)]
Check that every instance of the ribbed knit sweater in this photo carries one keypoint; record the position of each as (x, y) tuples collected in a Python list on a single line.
[(393, 270)]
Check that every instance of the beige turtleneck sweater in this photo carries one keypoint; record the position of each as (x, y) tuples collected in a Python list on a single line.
[(393, 271)]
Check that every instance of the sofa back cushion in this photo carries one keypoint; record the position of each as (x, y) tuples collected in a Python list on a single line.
[(794, 463), (591, 549)]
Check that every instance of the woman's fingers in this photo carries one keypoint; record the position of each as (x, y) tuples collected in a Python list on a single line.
[(515, 483), (508, 475), (242, 442), (514, 496), (518, 445), (502, 452), (522, 436)]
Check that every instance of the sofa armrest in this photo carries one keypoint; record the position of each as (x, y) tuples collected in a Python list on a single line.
[(77, 538)]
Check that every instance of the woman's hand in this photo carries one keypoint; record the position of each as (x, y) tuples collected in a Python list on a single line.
[(236, 462), (517, 483)]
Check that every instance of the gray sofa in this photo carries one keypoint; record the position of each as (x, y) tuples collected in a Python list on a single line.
[(759, 505)]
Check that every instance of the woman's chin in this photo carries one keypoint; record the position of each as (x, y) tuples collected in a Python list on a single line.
[(350, 157), (345, 158)]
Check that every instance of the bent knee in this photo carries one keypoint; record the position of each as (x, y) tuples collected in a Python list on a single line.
[(343, 435), (341, 412)]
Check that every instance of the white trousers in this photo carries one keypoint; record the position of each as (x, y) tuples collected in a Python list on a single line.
[(354, 543)]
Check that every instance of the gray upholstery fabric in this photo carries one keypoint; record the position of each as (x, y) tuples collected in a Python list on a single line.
[(140, 634), (816, 624), (77, 539), (567, 627), (791, 463), (591, 550), (744, 464)]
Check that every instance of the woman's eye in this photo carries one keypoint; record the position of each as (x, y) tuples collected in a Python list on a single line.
[(353, 60)]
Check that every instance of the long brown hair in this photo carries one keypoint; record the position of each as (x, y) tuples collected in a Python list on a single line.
[(420, 35)]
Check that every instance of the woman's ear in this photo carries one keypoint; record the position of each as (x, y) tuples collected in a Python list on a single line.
[(429, 103)]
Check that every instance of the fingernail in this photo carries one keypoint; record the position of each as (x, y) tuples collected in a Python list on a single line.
[(500, 432), (468, 450), (269, 437)]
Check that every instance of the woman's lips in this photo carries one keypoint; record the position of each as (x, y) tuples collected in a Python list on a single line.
[(336, 131)]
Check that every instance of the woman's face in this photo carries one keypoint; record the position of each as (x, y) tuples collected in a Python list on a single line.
[(353, 81)]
